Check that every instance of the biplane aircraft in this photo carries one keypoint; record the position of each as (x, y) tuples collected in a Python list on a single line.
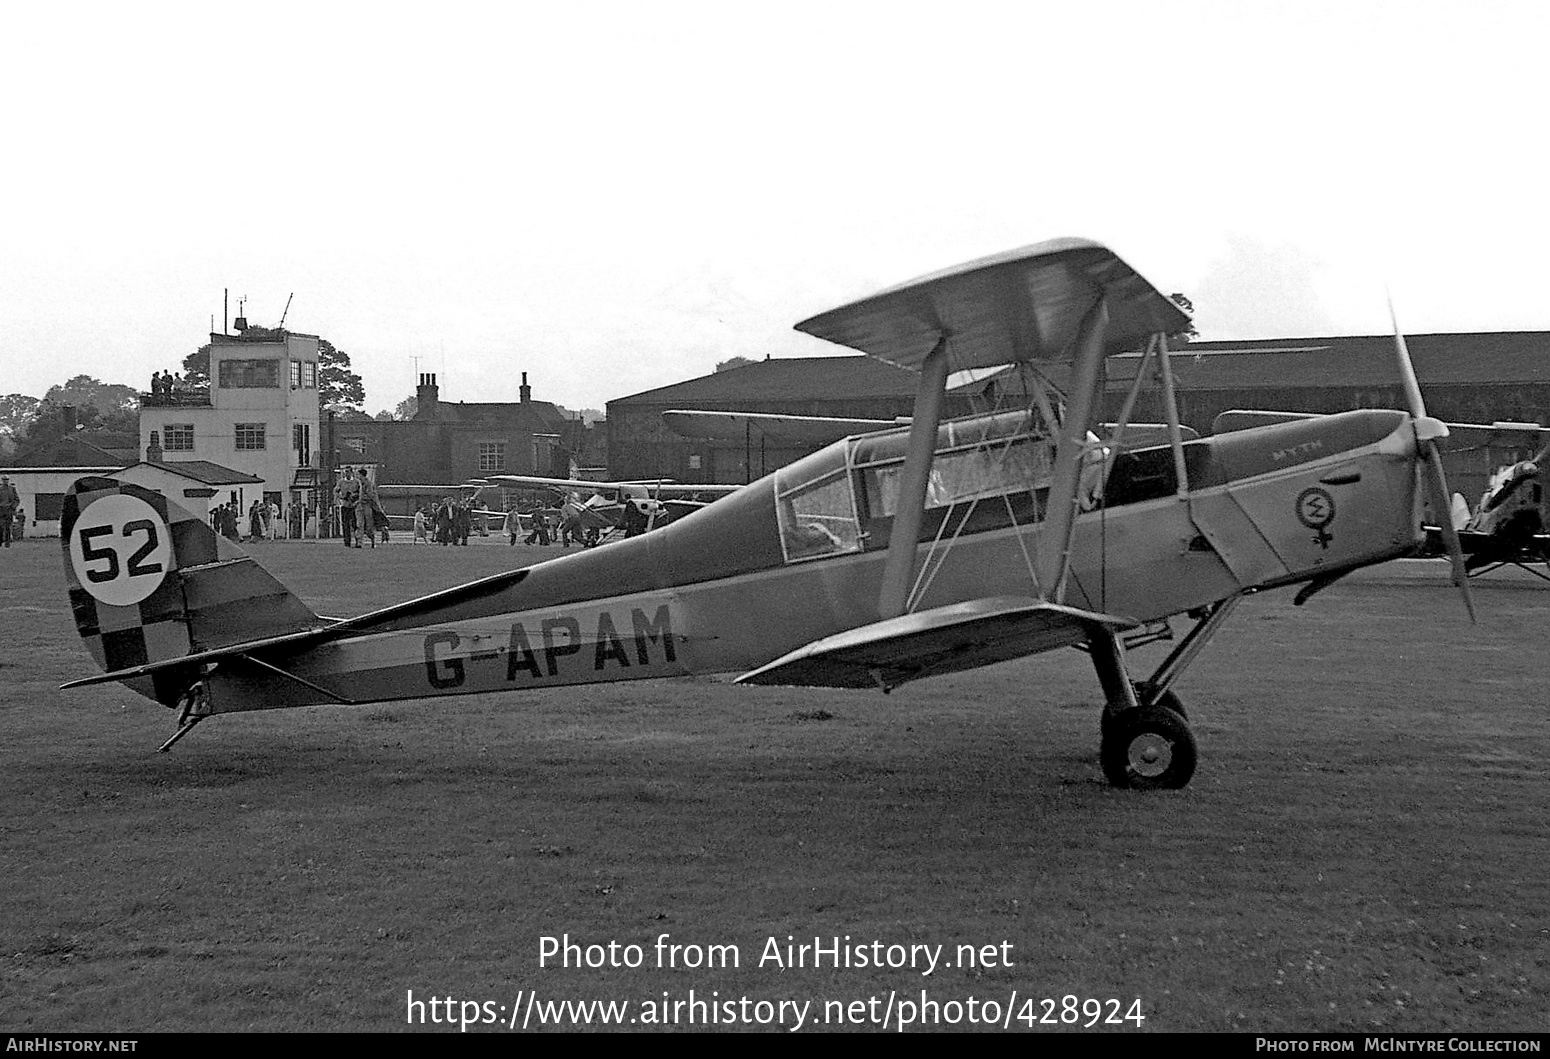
[(880, 559), (1507, 528)]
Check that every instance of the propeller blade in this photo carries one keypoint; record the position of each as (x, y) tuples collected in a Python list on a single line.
[(1407, 380), (1426, 448), (1450, 536)]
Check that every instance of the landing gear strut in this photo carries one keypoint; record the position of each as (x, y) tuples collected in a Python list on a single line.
[(1146, 742)]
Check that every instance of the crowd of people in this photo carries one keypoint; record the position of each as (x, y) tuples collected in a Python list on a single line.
[(361, 518), (167, 388), (363, 521), (262, 521), (451, 521)]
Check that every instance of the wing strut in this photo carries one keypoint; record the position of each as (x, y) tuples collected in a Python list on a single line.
[(893, 598), (1065, 489), (1171, 411)]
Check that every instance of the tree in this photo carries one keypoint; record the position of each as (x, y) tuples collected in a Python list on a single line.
[(586, 415), (55, 421), (732, 362), (338, 386), (106, 397), (196, 368), (16, 411), (406, 409), (98, 406)]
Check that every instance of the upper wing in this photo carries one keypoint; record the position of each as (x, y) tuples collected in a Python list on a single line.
[(554, 483), (636, 489), (680, 488), (932, 642), (1022, 305)]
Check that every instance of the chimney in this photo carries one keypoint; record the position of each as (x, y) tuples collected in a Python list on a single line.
[(525, 390), (426, 395), (153, 450)]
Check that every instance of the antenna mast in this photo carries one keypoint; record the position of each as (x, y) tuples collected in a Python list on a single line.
[(287, 310)]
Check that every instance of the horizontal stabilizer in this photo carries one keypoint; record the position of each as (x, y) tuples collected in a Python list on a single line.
[(411, 614), (929, 643)]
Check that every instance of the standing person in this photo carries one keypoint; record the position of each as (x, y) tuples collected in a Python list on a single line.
[(461, 523), (10, 500), (367, 509), (513, 525), (419, 526), (255, 522), (633, 519), (272, 520), (539, 534), (570, 522), (444, 522), (346, 493)]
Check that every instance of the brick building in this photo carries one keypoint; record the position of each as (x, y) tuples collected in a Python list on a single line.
[(450, 442)]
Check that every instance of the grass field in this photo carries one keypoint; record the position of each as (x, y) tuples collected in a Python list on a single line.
[(1364, 845)]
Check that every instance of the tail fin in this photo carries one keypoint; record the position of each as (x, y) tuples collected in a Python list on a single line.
[(150, 582)]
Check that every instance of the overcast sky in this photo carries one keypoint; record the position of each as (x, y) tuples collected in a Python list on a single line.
[(614, 197)]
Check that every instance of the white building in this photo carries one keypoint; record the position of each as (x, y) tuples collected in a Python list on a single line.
[(192, 484), (259, 416), (43, 475)]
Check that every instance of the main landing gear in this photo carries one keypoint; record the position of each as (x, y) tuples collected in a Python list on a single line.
[(1146, 742)]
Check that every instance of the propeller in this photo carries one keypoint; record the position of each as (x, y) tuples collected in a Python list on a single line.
[(1427, 431)]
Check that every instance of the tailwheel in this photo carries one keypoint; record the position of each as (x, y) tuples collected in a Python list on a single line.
[(1147, 748)]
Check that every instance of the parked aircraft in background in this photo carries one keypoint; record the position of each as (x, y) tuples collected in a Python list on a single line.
[(1508, 527), (596, 508), (880, 559)]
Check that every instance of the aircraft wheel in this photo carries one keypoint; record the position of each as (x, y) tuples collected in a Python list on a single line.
[(1149, 748)]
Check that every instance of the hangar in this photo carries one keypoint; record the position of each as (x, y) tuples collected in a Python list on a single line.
[(1478, 377)]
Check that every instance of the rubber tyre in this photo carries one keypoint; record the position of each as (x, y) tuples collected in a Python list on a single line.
[(1169, 700), (1149, 748)]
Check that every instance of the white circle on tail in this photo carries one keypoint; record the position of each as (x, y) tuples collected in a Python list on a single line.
[(121, 549)]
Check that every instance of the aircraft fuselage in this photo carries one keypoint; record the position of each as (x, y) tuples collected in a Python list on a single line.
[(798, 556)]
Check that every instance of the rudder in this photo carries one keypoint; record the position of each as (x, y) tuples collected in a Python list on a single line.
[(150, 582)]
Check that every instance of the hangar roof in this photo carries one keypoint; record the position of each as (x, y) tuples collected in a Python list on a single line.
[(1471, 358), (1483, 357), (787, 378)]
